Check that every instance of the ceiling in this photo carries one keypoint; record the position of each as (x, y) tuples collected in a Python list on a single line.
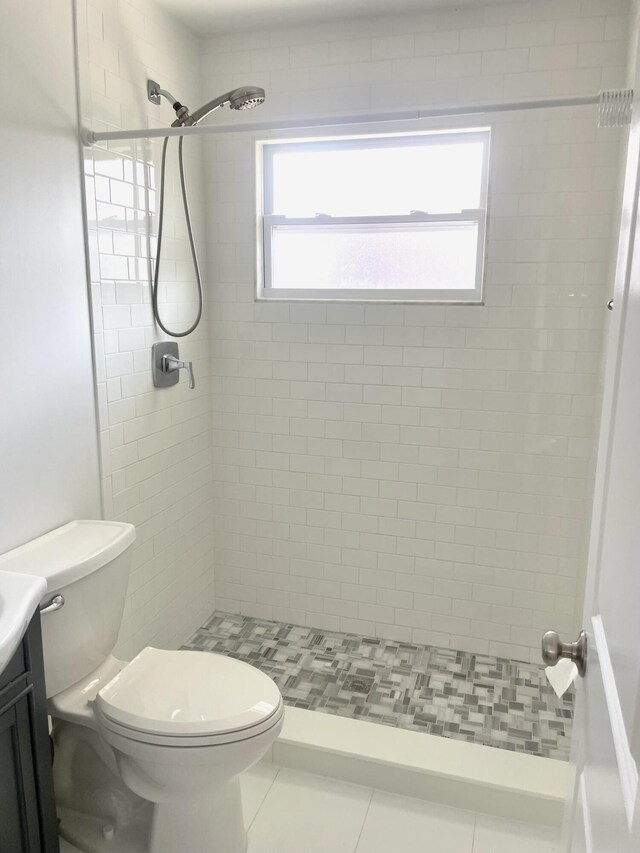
[(222, 16)]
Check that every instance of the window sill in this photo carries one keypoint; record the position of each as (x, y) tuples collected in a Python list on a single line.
[(367, 297)]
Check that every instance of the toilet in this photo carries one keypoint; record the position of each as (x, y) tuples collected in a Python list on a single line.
[(148, 753)]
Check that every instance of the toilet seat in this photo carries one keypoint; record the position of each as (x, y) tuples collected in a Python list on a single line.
[(187, 698)]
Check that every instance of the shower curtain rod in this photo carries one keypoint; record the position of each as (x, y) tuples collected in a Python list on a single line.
[(90, 137)]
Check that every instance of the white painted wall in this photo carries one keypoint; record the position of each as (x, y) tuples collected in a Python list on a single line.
[(422, 473), (156, 444), (48, 442)]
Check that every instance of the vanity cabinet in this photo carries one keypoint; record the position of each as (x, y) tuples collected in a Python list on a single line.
[(28, 821)]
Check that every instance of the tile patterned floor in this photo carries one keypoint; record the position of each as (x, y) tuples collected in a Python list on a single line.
[(493, 701)]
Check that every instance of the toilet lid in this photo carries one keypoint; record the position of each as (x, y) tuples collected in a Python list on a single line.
[(188, 693)]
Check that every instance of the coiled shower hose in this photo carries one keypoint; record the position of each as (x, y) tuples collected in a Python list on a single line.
[(187, 217)]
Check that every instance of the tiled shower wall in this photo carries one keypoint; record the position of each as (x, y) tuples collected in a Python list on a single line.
[(156, 444), (421, 472)]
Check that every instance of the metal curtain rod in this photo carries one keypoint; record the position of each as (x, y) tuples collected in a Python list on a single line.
[(90, 137)]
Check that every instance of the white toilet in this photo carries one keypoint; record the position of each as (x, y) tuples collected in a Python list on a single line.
[(147, 753)]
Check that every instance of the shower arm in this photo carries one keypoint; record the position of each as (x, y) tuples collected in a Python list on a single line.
[(154, 93), (168, 96)]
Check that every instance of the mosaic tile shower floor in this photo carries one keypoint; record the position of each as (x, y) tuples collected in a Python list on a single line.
[(493, 701)]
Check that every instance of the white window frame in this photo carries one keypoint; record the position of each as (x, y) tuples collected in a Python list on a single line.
[(268, 221)]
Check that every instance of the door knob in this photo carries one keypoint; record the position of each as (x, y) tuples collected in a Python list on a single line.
[(553, 649)]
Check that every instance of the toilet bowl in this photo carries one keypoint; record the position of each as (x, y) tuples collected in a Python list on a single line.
[(177, 729), (148, 753)]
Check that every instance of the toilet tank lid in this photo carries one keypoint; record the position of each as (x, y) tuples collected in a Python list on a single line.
[(70, 552)]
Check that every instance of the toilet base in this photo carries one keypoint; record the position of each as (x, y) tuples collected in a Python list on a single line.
[(100, 814), (211, 825), (87, 834), (199, 827)]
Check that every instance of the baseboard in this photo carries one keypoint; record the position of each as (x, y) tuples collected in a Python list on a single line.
[(456, 773)]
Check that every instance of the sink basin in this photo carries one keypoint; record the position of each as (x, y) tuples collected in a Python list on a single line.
[(19, 597)]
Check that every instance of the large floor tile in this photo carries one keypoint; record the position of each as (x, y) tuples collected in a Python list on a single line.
[(395, 823), (255, 784), (309, 813), (494, 835), (65, 847)]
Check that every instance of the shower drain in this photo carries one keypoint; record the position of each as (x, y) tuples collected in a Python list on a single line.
[(358, 683)]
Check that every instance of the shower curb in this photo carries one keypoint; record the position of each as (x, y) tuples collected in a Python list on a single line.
[(465, 775)]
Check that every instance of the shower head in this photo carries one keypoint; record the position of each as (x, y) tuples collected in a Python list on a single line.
[(243, 98), (246, 98)]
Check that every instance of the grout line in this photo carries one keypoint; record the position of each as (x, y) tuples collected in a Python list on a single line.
[(366, 815), (266, 794), (473, 837)]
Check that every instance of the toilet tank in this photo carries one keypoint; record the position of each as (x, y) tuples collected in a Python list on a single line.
[(88, 563)]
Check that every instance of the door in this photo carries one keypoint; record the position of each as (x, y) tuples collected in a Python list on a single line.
[(604, 814), (19, 817)]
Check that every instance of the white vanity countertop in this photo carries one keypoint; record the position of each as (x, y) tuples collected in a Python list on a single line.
[(20, 595)]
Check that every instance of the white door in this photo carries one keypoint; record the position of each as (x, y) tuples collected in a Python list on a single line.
[(604, 816)]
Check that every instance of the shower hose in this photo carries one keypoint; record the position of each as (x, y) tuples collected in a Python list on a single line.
[(187, 217)]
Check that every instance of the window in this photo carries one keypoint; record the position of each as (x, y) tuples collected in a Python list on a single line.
[(386, 218)]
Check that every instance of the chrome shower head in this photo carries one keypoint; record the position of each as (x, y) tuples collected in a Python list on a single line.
[(243, 98), (246, 98), (238, 99)]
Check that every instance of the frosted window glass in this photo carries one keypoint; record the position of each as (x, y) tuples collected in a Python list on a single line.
[(370, 181), (420, 256), (382, 217)]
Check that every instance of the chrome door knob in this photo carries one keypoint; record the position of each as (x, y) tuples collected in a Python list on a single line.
[(553, 649)]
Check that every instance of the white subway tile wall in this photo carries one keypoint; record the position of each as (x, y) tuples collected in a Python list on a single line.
[(156, 444), (417, 472), (420, 473)]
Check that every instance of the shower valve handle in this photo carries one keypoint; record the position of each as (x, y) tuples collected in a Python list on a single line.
[(170, 363)]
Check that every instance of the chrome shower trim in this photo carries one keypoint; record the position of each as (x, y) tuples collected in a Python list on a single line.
[(154, 93), (242, 98)]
